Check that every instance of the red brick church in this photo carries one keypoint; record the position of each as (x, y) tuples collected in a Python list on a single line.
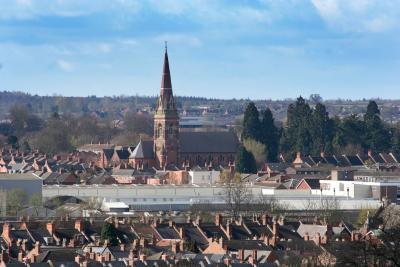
[(172, 148)]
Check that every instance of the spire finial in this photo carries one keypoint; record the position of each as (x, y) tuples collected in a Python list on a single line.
[(166, 45)]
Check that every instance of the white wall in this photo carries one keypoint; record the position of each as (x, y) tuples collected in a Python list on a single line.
[(204, 177)]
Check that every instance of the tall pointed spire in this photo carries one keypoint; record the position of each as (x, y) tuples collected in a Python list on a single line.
[(166, 77), (166, 121)]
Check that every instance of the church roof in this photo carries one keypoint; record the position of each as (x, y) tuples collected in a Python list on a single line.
[(144, 150), (207, 142)]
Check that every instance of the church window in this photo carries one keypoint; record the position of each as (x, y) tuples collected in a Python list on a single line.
[(159, 131), (170, 130)]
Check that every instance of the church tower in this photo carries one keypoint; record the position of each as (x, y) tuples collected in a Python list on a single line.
[(166, 122)]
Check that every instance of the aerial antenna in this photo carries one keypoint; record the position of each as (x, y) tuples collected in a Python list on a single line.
[(166, 45)]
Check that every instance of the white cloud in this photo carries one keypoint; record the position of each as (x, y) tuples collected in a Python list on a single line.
[(65, 65), (327, 8), (359, 15)]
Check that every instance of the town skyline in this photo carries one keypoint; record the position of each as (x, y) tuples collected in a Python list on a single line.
[(273, 49)]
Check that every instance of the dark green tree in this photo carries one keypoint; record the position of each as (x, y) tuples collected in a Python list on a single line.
[(396, 140), (251, 123), (296, 136), (377, 135), (350, 131), (109, 232), (13, 141), (321, 130), (270, 135), (245, 162)]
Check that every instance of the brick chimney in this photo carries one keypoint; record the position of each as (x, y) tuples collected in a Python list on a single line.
[(282, 220), (143, 242), (37, 249), (306, 237), (79, 225), (79, 259), (50, 226), (142, 257), (171, 223), (6, 231), (174, 247), (241, 255), (254, 255), (275, 228), (231, 167), (218, 219), (164, 257), (181, 232), (155, 222), (24, 246), (198, 220), (122, 247), (228, 229), (34, 259), (318, 239), (20, 255), (264, 219), (252, 261), (107, 257)]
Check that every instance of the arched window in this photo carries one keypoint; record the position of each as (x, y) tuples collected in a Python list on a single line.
[(171, 130), (159, 131)]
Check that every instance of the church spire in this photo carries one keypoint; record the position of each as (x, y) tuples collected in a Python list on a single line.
[(166, 77)]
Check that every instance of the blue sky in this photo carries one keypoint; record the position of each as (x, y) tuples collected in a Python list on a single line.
[(218, 48)]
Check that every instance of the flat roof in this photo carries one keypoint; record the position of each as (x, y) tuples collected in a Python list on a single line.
[(19, 176)]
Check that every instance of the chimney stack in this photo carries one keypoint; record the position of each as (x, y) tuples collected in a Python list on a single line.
[(306, 237), (218, 219), (50, 226), (79, 225), (318, 239)]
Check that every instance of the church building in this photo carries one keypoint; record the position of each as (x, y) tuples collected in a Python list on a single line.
[(172, 148)]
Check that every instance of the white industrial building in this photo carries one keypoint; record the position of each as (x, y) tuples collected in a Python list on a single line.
[(181, 197), (203, 176)]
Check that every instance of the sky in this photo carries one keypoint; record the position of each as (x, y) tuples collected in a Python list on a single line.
[(258, 49)]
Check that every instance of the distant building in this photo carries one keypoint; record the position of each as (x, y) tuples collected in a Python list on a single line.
[(203, 176)]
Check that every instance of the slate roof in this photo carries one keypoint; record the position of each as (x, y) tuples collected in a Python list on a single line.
[(388, 158), (354, 160), (122, 153), (167, 232), (342, 161), (208, 142), (212, 231), (377, 158), (144, 150), (331, 160), (278, 167), (108, 152)]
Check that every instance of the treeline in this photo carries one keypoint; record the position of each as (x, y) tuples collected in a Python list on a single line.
[(64, 133), (310, 130), (108, 106), (115, 107)]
